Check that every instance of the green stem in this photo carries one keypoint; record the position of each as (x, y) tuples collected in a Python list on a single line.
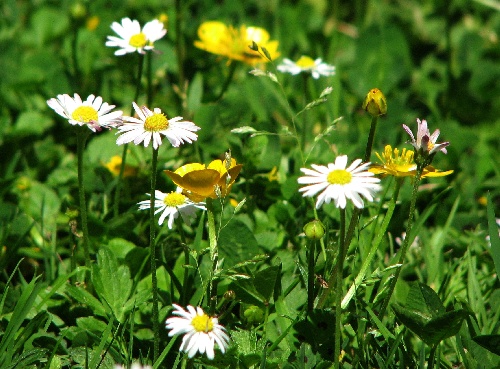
[(406, 242), (152, 248), (338, 290), (375, 245), (432, 356), (82, 135), (184, 293), (116, 207), (212, 286), (310, 275), (227, 82), (355, 214)]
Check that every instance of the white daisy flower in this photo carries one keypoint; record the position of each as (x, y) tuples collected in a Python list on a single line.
[(153, 123), (92, 112), (134, 366), (171, 205), (306, 64), (201, 331), (339, 183), (425, 142), (132, 38)]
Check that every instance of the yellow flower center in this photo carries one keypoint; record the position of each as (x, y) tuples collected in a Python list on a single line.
[(305, 62), (202, 323), (85, 114), (392, 157), (174, 199), (156, 122), (138, 40), (339, 176)]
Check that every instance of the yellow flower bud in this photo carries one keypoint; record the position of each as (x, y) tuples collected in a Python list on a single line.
[(375, 103), (314, 230)]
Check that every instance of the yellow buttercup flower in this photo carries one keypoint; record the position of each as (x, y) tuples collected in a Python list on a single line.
[(200, 182), (114, 164), (401, 164), (220, 39)]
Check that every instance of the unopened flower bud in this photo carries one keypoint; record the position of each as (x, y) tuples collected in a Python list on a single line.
[(314, 230), (78, 11), (254, 315), (375, 103)]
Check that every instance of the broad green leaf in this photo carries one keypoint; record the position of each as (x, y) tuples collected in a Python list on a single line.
[(87, 299), (265, 280), (490, 342), (237, 243), (195, 92), (32, 123), (112, 282)]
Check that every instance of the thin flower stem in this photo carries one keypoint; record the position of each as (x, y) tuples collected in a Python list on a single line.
[(404, 248), (149, 76), (152, 248), (371, 136), (338, 290), (212, 287), (227, 82), (116, 206), (375, 245), (184, 293), (310, 275), (82, 135)]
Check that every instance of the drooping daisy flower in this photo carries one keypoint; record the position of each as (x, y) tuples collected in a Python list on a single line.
[(153, 124), (132, 38), (93, 112), (307, 65), (233, 43), (201, 182), (201, 332), (425, 143), (339, 183), (402, 164), (171, 205)]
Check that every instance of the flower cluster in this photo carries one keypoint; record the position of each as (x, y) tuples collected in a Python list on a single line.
[(233, 43)]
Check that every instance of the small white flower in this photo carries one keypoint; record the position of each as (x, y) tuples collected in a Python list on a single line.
[(306, 64), (339, 183), (134, 366), (426, 142), (153, 123), (171, 205), (92, 112), (200, 331), (132, 38)]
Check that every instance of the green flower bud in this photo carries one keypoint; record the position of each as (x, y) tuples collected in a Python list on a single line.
[(78, 11), (375, 103), (314, 230), (254, 315)]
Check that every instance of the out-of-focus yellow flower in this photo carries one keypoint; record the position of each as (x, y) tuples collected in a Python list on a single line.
[(114, 165), (375, 103), (220, 39), (200, 182), (92, 23), (273, 175), (23, 183), (402, 164), (163, 17), (483, 200)]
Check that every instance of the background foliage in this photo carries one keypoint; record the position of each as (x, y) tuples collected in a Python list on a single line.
[(437, 60)]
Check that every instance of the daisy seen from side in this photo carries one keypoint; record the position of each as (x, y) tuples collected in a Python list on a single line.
[(152, 124), (201, 331), (170, 205), (338, 182), (306, 64), (93, 112), (132, 38), (425, 142)]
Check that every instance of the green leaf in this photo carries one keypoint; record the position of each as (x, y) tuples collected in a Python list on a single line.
[(265, 281), (112, 282), (490, 342), (32, 123), (195, 92), (237, 243), (87, 299)]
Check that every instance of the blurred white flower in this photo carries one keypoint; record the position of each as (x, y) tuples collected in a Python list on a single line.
[(306, 64), (132, 38)]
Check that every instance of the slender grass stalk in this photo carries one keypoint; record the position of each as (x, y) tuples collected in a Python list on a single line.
[(404, 248), (310, 275), (81, 138), (152, 248), (338, 290), (375, 245), (227, 82), (116, 206), (212, 287), (184, 299)]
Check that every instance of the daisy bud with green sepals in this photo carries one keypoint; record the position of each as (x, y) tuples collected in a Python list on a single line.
[(375, 103), (314, 230)]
